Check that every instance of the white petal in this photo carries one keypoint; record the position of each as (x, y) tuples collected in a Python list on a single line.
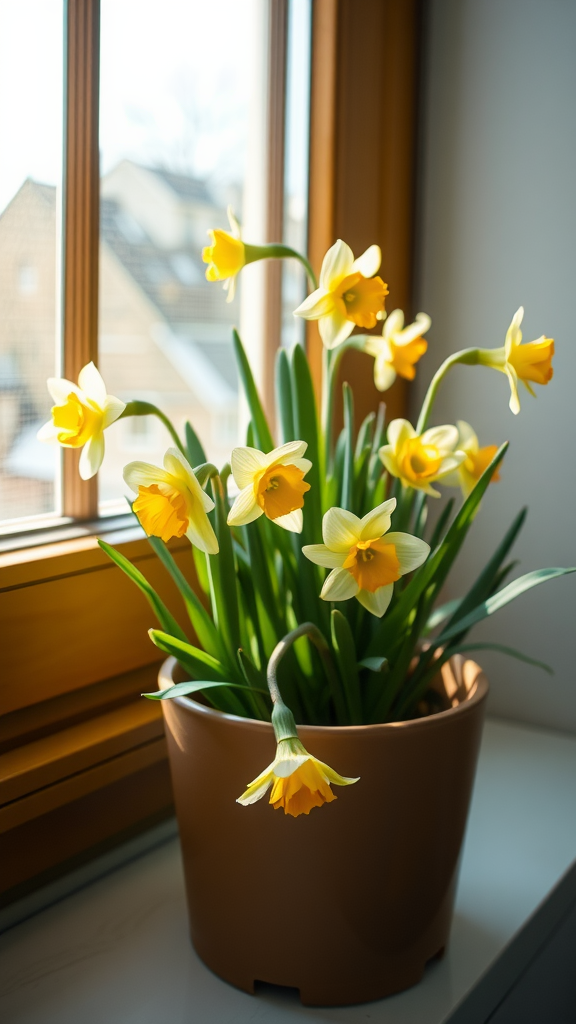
[(339, 585), (304, 465), (514, 334), (340, 529), (292, 521), (467, 439), (376, 603), (233, 222), (230, 288), (398, 432), (513, 381), (388, 458), (410, 551), (256, 792), (321, 555), (334, 328), (60, 388), (369, 262), (453, 479), (113, 408), (421, 324), (315, 305), (336, 265), (450, 463), (177, 465), (92, 384), (143, 474), (245, 509), (91, 457), (445, 437), (246, 463), (393, 324), (200, 532), (377, 522), (286, 453), (384, 373), (288, 765), (48, 432)]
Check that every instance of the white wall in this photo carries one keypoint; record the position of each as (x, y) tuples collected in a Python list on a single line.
[(497, 230)]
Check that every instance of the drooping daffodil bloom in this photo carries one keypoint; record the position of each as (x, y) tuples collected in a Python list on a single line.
[(477, 460), (299, 781), (225, 256), (366, 560), (170, 502), (350, 295), (530, 363), (418, 460), (80, 416), (399, 348), (270, 484)]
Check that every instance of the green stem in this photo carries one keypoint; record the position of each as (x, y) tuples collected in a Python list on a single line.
[(147, 409), (276, 251), (313, 633), (469, 356)]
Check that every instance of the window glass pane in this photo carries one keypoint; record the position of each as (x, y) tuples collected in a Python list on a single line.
[(294, 285), (31, 105), (174, 120)]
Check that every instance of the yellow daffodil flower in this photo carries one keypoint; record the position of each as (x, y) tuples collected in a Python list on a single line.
[(349, 294), (299, 781), (226, 256), (477, 460), (399, 348), (171, 502), (531, 363), (419, 460), (80, 417), (272, 485), (365, 559)]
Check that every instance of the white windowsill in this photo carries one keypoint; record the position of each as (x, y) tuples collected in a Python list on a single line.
[(118, 949)]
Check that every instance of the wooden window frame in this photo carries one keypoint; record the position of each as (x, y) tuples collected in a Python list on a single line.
[(83, 762)]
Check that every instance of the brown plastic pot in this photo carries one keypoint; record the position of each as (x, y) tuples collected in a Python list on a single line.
[(348, 903)]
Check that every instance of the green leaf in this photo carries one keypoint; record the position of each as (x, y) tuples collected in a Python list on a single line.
[(365, 434), (204, 472), (500, 600), (194, 451), (200, 560), (222, 569), (165, 618), (306, 429), (439, 615), (262, 433), (184, 689), (201, 621), (284, 397), (345, 649), (502, 649), (346, 497), (201, 665), (374, 664), (441, 523)]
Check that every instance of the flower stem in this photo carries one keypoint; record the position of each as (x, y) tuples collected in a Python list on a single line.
[(313, 633), (469, 356), (277, 251), (147, 409)]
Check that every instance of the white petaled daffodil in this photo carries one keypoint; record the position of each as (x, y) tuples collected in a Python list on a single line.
[(366, 560), (299, 781), (477, 460), (270, 485), (80, 416), (420, 459), (226, 256), (399, 348), (349, 296), (531, 363), (170, 502)]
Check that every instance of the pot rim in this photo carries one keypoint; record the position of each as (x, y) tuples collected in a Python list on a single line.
[(477, 693)]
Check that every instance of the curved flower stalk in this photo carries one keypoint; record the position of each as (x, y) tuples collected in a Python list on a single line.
[(530, 363), (350, 295), (366, 560), (272, 485), (80, 416), (228, 254), (418, 460), (171, 502), (299, 780), (477, 460), (399, 349)]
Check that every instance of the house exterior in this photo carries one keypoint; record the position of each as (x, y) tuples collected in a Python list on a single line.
[(165, 333)]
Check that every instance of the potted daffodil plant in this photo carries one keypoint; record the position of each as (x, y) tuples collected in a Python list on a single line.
[(317, 623)]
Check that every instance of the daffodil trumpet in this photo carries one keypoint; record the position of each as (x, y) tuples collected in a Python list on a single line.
[(299, 781)]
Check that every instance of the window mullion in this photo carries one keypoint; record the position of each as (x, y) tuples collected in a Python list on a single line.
[(81, 225)]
